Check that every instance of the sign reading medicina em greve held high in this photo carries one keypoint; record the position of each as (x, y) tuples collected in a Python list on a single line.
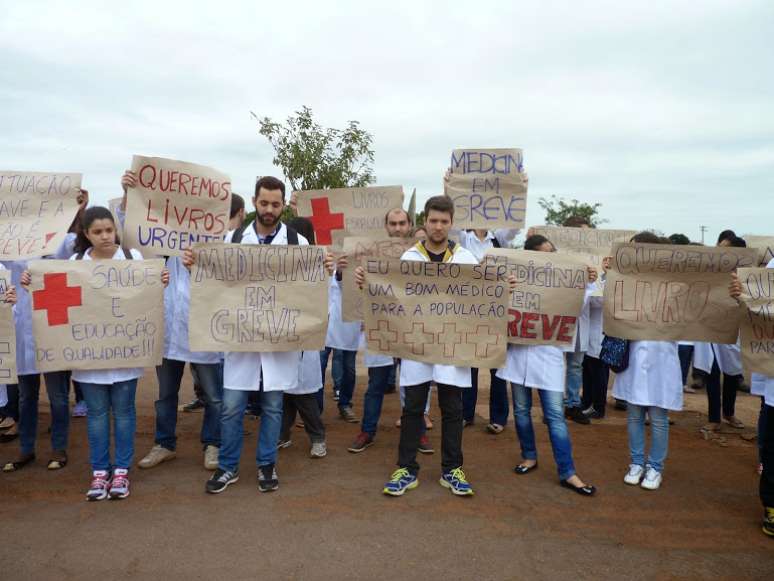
[(175, 205)]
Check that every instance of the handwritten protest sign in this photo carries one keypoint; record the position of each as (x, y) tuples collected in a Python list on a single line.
[(358, 211), (36, 210), (757, 329), (588, 241), (487, 189), (671, 293), (175, 205), (7, 334), (765, 246), (357, 248), (437, 312), (544, 308), (97, 314), (258, 298)]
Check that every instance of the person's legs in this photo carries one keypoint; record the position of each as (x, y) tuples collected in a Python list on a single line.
[(601, 379), (310, 414), (659, 437), (29, 392), (122, 403), (288, 416), (713, 394), (271, 424), (685, 353), (587, 398), (211, 383), (324, 356), (498, 399), (337, 370), (391, 378), (574, 378), (522, 414), (347, 385), (378, 382), (98, 424), (730, 387), (169, 374), (450, 401), (767, 477), (469, 397), (58, 389), (231, 428), (551, 402), (635, 426), (761, 429), (11, 409), (78, 391), (411, 427)]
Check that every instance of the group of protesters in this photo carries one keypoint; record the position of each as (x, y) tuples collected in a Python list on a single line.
[(286, 389)]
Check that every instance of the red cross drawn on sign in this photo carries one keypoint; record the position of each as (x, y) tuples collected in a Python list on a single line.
[(323, 221), (417, 338), (482, 338), (56, 298), (383, 335)]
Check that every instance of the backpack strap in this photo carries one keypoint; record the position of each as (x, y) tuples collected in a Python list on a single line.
[(496, 243), (236, 237), (127, 254)]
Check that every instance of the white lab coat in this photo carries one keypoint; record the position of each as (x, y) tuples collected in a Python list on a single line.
[(653, 377), (469, 240), (242, 371), (341, 335), (25, 342), (108, 376), (309, 375), (729, 357), (416, 372)]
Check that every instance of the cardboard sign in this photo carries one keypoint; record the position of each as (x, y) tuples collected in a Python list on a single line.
[(357, 248), (544, 308), (358, 211), (97, 314), (765, 246), (487, 189), (175, 205), (436, 312), (251, 297), (589, 241), (36, 210), (663, 292), (757, 329), (7, 334)]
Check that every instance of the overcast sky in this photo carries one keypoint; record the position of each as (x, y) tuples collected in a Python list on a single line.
[(663, 111)]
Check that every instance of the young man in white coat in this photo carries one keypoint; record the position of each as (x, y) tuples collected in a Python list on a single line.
[(416, 377), (177, 353), (270, 373)]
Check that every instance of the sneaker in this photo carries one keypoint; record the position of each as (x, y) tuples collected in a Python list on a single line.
[(362, 442), (219, 481), (652, 479), (400, 481), (319, 450), (634, 475), (100, 484), (456, 482), (577, 416), (425, 447), (283, 444), (80, 410), (195, 405), (346, 413), (267, 478), (119, 487), (156, 456), (768, 521), (211, 454)]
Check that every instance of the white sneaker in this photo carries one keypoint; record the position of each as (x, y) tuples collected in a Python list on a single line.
[(634, 475), (652, 479), (156, 456), (319, 450), (211, 457)]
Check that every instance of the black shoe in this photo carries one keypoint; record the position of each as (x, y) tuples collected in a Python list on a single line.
[(577, 416), (522, 469), (593, 414), (587, 490), (267, 478), (219, 481), (194, 405)]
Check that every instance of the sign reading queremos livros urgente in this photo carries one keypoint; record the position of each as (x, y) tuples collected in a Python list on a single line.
[(97, 314), (437, 312), (757, 330), (550, 289), (36, 210), (250, 297), (673, 293), (7, 333)]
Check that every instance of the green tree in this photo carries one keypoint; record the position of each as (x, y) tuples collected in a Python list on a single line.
[(559, 209)]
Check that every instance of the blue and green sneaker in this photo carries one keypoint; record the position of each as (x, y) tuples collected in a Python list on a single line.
[(400, 481), (455, 481)]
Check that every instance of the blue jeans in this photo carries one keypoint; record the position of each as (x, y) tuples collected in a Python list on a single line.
[(101, 400), (336, 369), (659, 435), (347, 385), (170, 374), (553, 411), (498, 398), (574, 378), (58, 389), (231, 428), (378, 382)]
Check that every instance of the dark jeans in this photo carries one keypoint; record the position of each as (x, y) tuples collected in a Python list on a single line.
[(306, 406), (344, 367), (498, 398), (730, 385), (170, 374), (596, 374), (767, 478), (378, 382), (11, 409), (761, 429), (413, 421), (58, 388), (685, 353)]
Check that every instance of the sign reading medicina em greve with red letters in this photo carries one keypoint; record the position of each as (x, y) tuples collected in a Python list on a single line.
[(175, 205)]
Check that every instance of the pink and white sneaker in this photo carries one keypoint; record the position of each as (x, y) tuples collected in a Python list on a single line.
[(119, 488), (100, 483)]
